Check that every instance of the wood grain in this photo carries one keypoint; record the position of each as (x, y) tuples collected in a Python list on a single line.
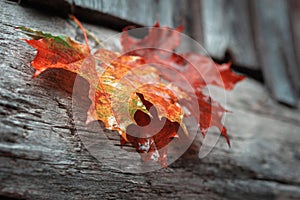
[(42, 157)]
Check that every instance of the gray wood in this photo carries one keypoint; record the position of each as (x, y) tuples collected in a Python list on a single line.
[(138, 11), (42, 157), (275, 47), (227, 27), (118, 14), (142, 12), (294, 7)]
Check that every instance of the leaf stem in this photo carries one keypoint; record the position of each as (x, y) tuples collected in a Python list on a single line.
[(82, 28), (87, 32), (95, 38)]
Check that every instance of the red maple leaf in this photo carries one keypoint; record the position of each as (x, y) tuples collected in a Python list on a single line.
[(147, 107), (159, 47)]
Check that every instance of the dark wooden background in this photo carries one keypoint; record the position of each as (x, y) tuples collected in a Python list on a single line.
[(42, 157)]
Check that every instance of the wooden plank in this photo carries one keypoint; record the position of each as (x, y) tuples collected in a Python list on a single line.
[(134, 10), (118, 14), (294, 7), (138, 11), (170, 13), (63, 8), (193, 20), (42, 157), (227, 28), (275, 47)]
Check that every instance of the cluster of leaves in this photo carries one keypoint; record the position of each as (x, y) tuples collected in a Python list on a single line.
[(135, 93)]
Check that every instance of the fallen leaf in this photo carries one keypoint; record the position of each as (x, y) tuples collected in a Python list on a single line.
[(197, 69), (132, 95)]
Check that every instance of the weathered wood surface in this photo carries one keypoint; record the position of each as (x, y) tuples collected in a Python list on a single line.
[(144, 12), (42, 157), (117, 14)]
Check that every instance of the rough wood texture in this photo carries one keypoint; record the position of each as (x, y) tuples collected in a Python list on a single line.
[(42, 157), (144, 12), (134, 10)]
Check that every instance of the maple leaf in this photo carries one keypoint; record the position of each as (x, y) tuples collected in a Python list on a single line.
[(123, 78), (165, 41), (110, 94), (134, 97)]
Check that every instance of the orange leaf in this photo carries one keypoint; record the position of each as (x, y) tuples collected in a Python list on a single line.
[(135, 93), (198, 70)]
